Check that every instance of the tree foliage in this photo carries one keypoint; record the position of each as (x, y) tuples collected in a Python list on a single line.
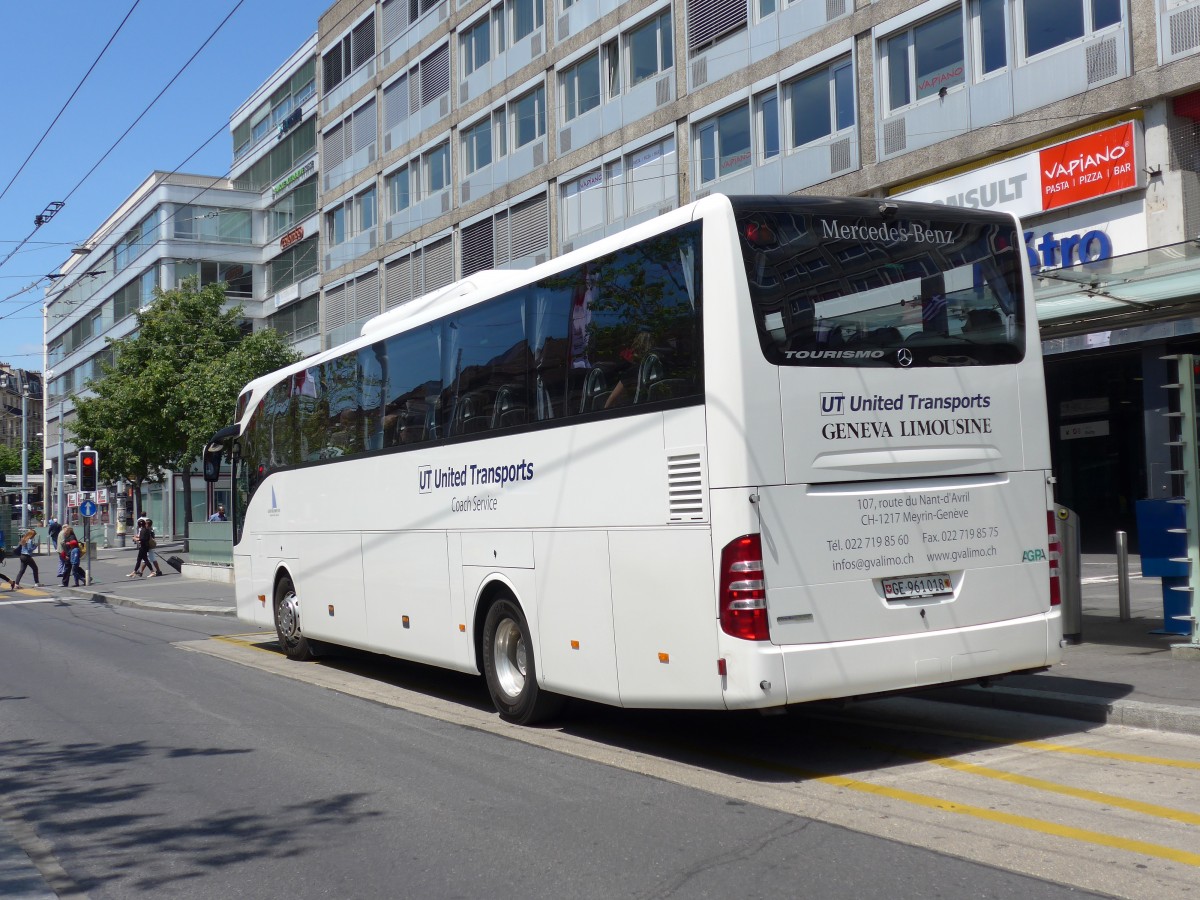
[(172, 383), (10, 461)]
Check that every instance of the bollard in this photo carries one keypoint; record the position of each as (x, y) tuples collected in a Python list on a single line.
[(1123, 576)]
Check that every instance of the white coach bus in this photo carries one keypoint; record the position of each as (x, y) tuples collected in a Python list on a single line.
[(755, 452)]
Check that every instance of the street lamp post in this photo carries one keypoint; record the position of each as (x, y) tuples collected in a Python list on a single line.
[(24, 455)]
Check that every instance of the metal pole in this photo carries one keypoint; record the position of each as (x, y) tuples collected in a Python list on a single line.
[(1123, 576), (62, 467), (24, 456)]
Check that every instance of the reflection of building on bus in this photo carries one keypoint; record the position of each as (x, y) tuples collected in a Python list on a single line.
[(689, 497)]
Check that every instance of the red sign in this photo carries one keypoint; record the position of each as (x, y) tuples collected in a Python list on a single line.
[(1087, 167), (291, 237)]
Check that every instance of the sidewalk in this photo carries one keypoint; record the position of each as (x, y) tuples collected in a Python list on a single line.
[(1120, 673), (171, 592)]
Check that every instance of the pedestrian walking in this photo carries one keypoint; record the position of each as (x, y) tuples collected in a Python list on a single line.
[(70, 555), (53, 529), (25, 551), (146, 557), (219, 515), (3, 577)]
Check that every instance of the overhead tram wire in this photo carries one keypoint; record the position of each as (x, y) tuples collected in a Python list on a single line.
[(157, 97), (86, 74), (132, 125)]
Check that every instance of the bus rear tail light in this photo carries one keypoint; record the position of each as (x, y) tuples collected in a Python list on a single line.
[(1055, 585), (743, 599)]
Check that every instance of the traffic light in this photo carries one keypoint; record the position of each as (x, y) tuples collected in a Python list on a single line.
[(89, 468)]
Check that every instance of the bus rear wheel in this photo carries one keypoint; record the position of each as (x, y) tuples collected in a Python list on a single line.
[(509, 667), (287, 622)]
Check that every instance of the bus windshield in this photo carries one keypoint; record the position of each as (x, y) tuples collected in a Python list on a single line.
[(860, 284)]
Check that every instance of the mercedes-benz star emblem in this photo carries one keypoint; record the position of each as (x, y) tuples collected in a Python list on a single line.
[(904, 357)]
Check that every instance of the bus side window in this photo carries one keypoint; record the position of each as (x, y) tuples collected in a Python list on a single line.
[(413, 384)]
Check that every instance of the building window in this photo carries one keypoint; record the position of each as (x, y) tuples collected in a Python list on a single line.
[(612, 68), (399, 190), (526, 17), (581, 87), (294, 208), (822, 103), (477, 146), (210, 223), (349, 54), (529, 117), (476, 46), (710, 20), (993, 47), (1050, 25), (293, 264), (437, 169), (724, 144), (297, 321), (650, 48), (768, 123), (925, 60)]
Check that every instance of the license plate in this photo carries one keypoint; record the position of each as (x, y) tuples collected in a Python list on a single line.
[(917, 586)]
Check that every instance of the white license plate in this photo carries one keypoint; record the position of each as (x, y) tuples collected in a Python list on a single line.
[(917, 586)]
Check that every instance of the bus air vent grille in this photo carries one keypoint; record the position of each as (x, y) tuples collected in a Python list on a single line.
[(686, 487)]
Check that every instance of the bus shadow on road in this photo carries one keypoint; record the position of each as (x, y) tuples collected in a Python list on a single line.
[(800, 743)]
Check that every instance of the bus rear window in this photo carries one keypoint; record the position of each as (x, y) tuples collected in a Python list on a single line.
[(860, 283)]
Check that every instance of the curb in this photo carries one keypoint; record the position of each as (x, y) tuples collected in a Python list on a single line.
[(1132, 713), (155, 605)]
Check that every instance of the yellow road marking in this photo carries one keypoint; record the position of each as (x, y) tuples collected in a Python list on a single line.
[(1046, 746), (1028, 823), (248, 641), (1149, 809)]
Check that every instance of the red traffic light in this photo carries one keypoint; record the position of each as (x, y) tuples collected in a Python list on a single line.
[(89, 463)]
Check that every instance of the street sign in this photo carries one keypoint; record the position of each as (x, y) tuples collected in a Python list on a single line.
[(33, 479), (87, 508)]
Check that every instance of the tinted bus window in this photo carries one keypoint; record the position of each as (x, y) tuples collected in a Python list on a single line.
[(860, 286)]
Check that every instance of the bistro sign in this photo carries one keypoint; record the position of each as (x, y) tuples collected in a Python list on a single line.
[(292, 237)]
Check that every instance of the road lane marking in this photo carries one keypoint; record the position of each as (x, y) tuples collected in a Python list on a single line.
[(958, 765), (5, 602)]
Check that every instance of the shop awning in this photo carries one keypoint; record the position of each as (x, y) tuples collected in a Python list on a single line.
[(1119, 292)]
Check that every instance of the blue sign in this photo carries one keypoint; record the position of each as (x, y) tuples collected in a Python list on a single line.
[(87, 508)]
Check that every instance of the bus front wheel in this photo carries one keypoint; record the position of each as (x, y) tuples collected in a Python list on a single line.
[(287, 622), (509, 668)]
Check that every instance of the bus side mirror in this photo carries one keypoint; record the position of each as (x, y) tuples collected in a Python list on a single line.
[(212, 462)]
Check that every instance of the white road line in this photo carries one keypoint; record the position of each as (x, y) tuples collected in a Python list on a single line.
[(18, 602)]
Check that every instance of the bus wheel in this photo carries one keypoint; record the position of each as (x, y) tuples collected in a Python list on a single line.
[(287, 622), (509, 667)]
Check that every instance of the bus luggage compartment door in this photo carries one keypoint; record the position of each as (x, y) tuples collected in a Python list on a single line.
[(863, 560)]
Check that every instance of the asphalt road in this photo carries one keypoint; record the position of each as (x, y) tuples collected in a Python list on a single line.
[(133, 767)]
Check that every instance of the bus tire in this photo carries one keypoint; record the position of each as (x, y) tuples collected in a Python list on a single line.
[(287, 622), (509, 667)]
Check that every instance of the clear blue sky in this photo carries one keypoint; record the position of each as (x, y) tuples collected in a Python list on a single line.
[(48, 49)]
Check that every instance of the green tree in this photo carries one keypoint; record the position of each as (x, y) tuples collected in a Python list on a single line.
[(172, 384), (10, 461)]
